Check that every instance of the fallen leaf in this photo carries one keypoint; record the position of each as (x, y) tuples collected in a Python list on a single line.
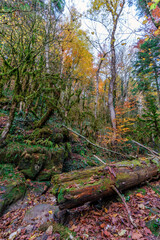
[(122, 232), (141, 206), (106, 233), (147, 231), (136, 235), (102, 225), (73, 228), (106, 210), (139, 195)]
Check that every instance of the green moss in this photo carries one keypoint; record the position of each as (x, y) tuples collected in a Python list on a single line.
[(142, 190), (156, 162), (131, 164), (33, 159), (58, 138), (41, 133), (121, 177), (11, 153), (28, 173), (154, 226), (54, 190), (68, 147), (9, 174), (45, 175), (63, 231), (11, 195), (12, 184), (145, 161), (107, 183), (61, 195), (16, 192)]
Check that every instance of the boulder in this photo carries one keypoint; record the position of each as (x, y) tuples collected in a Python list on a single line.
[(12, 186), (40, 213), (35, 161), (31, 164)]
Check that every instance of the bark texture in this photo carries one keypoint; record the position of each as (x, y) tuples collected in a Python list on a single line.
[(10, 121), (75, 188), (112, 84), (44, 119)]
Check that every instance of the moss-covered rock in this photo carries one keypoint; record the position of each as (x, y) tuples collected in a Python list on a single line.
[(45, 175), (31, 164), (28, 159), (11, 153), (56, 135), (60, 135), (12, 186), (41, 133), (36, 161), (53, 164)]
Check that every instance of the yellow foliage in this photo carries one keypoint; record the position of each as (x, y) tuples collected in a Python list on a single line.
[(124, 122)]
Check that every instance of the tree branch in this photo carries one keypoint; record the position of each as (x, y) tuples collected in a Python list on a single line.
[(149, 149), (126, 206), (95, 145)]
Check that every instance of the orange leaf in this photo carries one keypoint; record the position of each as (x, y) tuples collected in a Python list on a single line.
[(102, 225), (139, 195), (106, 233), (106, 210)]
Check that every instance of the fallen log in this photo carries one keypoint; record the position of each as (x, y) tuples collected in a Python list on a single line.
[(78, 187)]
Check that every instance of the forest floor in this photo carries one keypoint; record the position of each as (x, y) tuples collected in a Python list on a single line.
[(103, 220)]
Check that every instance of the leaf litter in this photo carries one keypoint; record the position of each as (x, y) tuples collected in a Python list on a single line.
[(110, 221)]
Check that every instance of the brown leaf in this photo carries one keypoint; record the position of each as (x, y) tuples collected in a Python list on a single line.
[(106, 233), (102, 225), (147, 231), (97, 213), (136, 235), (73, 227), (114, 220)]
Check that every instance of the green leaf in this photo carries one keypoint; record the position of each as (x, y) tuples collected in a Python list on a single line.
[(153, 6)]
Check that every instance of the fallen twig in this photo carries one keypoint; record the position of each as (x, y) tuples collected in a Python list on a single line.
[(126, 206), (149, 149), (99, 159), (95, 145)]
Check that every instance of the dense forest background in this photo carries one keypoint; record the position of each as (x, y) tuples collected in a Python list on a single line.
[(79, 90), (52, 70)]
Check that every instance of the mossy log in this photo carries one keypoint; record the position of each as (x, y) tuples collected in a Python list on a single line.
[(75, 188)]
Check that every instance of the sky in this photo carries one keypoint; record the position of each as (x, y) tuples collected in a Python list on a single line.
[(127, 32)]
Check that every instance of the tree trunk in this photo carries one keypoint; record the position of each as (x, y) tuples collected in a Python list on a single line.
[(47, 35), (112, 84), (111, 97), (45, 118), (97, 83), (1, 87), (9, 123), (157, 84), (75, 188)]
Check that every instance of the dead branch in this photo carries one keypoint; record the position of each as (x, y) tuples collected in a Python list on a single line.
[(149, 149), (95, 145), (126, 206), (99, 159)]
